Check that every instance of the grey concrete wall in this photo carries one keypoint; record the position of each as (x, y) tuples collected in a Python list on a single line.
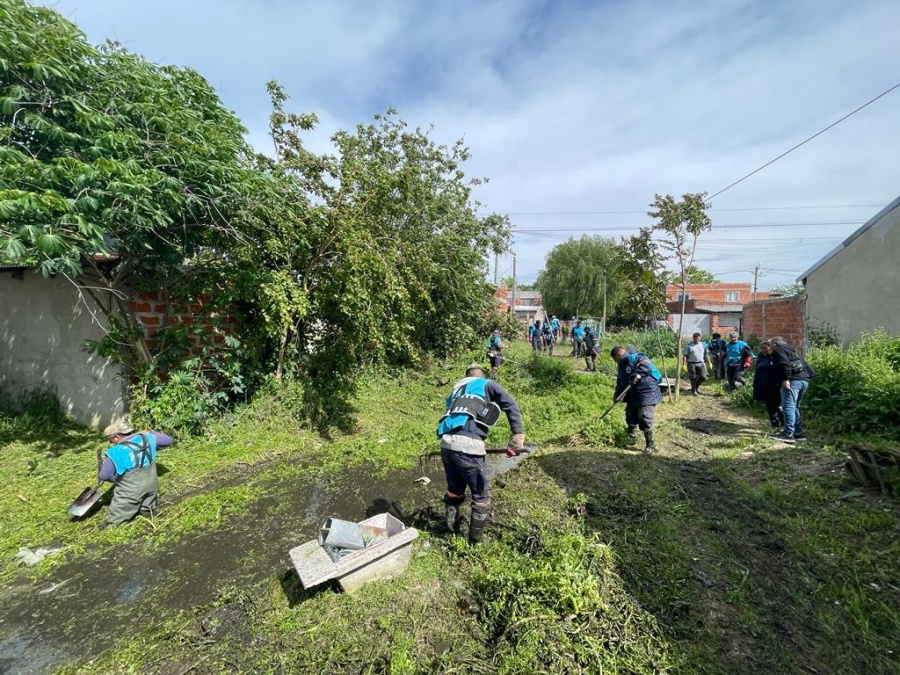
[(858, 290), (43, 327)]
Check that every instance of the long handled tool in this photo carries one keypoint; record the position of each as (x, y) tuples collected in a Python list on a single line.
[(617, 401), (423, 459)]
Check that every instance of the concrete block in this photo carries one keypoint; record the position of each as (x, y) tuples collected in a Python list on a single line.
[(383, 560)]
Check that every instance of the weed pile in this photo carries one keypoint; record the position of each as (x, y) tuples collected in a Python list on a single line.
[(553, 603)]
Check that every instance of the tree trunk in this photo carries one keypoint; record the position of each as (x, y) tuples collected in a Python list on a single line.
[(679, 356), (282, 348)]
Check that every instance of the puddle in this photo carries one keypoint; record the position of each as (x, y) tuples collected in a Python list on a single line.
[(129, 588)]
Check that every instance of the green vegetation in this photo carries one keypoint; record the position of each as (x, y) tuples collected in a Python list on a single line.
[(856, 390), (723, 554)]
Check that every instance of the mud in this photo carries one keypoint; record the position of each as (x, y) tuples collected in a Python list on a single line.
[(82, 607)]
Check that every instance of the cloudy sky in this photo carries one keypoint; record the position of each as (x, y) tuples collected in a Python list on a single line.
[(579, 112)]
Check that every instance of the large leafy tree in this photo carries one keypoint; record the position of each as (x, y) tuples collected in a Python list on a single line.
[(572, 280), (643, 278), (108, 163)]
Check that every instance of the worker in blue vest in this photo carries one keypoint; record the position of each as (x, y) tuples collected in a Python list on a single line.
[(130, 463), (577, 339), (548, 338), (554, 327), (537, 337), (716, 349), (495, 347), (473, 407), (638, 372), (591, 349), (738, 357)]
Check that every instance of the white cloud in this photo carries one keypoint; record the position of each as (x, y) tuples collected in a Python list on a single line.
[(577, 108)]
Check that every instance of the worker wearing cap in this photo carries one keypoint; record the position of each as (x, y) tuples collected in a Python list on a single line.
[(473, 407), (130, 463), (639, 377)]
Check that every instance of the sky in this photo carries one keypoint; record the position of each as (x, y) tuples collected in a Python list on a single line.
[(578, 112)]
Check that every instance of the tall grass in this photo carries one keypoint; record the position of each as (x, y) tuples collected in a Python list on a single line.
[(857, 389), (654, 343)]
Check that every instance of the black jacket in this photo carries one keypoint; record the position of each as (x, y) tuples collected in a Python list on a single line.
[(789, 365)]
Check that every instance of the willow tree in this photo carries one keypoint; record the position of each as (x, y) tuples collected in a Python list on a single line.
[(575, 274)]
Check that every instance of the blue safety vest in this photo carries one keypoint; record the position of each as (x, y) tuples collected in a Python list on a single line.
[(494, 343), (733, 352), (467, 402), (135, 453)]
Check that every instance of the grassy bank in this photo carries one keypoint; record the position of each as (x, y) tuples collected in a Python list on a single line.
[(724, 553), (46, 461)]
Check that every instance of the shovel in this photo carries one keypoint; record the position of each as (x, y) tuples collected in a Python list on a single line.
[(84, 501)]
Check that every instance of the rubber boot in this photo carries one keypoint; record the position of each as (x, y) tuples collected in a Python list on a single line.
[(453, 517), (479, 519), (451, 512), (632, 435), (493, 374), (651, 446)]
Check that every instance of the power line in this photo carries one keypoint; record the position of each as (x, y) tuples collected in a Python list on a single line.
[(644, 212), (716, 227), (802, 143)]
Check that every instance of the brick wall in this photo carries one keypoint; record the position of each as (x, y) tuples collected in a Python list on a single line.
[(155, 309), (715, 292), (777, 316)]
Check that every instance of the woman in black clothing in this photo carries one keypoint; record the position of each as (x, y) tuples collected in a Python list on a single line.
[(767, 384)]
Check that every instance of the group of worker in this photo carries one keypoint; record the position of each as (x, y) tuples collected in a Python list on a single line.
[(475, 404), (542, 335)]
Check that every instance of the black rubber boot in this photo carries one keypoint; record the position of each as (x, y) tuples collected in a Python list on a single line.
[(451, 512), (651, 446), (453, 518), (632, 435), (493, 374), (479, 519)]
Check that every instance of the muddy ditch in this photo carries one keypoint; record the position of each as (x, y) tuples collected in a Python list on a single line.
[(80, 608)]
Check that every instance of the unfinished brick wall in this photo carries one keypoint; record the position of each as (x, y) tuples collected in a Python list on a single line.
[(777, 316), (155, 309), (715, 292)]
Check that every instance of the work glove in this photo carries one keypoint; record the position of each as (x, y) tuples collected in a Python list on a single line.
[(747, 363), (515, 445), (634, 379)]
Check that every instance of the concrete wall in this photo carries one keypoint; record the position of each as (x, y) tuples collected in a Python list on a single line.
[(778, 316), (858, 289), (43, 327)]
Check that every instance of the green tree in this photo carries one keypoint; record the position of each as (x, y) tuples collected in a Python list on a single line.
[(111, 165), (790, 290), (572, 280), (642, 277), (680, 223), (694, 275)]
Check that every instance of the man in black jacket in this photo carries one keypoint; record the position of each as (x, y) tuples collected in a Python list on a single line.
[(794, 373)]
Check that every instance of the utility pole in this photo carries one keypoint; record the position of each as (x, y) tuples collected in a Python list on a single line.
[(603, 321), (755, 277), (513, 296)]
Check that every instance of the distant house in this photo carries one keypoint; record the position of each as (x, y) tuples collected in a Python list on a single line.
[(716, 293), (528, 305), (856, 287), (706, 317)]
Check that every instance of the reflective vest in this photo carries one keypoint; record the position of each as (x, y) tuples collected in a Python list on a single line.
[(135, 453), (494, 343), (468, 402)]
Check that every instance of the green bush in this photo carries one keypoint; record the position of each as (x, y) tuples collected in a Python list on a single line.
[(654, 343), (857, 389)]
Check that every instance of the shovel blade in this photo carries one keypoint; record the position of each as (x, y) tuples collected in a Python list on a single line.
[(83, 502)]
